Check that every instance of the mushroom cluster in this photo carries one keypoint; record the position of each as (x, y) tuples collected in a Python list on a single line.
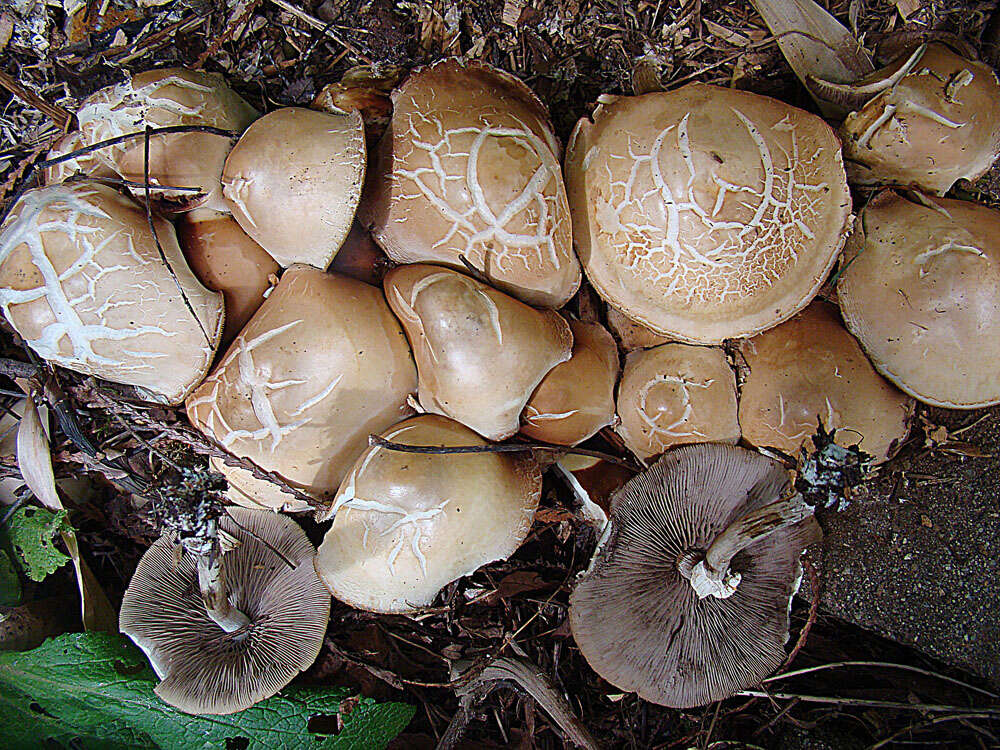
[(705, 219)]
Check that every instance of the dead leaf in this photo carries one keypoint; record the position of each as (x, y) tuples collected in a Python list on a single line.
[(34, 459), (519, 582)]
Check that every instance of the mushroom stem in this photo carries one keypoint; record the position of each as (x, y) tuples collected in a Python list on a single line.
[(711, 575), (215, 594)]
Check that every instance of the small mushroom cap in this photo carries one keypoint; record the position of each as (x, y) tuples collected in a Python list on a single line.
[(921, 292), (163, 98), (642, 627), (577, 397), (632, 335), (82, 282), (408, 524), (293, 182), (271, 580), (226, 260), (320, 366), (480, 353), (675, 394), (470, 166), (86, 164), (706, 213), (810, 368), (937, 124)]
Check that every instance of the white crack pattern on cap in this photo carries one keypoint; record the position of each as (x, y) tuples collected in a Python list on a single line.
[(652, 418)]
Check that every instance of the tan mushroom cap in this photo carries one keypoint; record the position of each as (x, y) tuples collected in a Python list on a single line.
[(922, 295), (162, 98), (205, 670), (675, 394), (935, 120), (638, 621), (632, 335), (470, 166), (87, 164), (319, 367), (408, 524), (293, 182), (808, 369), (480, 353), (706, 213), (577, 397), (82, 282), (226, 260)]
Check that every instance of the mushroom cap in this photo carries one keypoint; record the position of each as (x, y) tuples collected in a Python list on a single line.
[(939, 123), (408, 524), (921, 292), (320, 366), (480, 353), (271, 579), (82, 282), (811, 368), (469, 166), (642, 627), (163, 98), (674, 394), (226, 260), (630, 334), (577, 397), (87, 164), (293, 182), (706, 213)]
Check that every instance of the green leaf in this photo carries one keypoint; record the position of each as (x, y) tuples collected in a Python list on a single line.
[(31, 529), (10, 584), (96, 689)]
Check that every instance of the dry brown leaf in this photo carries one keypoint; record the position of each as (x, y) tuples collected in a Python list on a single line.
[(34, 459)]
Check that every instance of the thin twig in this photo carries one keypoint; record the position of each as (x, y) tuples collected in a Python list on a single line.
[(881, 664), (227, 32), (991, 713), (61, 116)]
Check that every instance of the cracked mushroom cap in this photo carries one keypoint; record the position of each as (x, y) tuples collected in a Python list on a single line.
[(226, 260), (577, 397), (86, 164), (470, 167), (934, 119), (921, 292), (320, 366), (811, 368), (706, 213), (272, 580), (82, 282), (407, 524), (674, 394), (480, 353), (639, 622), (293, 182), (163, 98)]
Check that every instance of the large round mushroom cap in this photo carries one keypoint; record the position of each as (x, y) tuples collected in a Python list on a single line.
[(706, 213), (934, 120), (320, 366), (810, 369), (675, 394), (293, 182), (271, 579), (83, 283), (921, 292), (639, 622), (480, 353), (163, 98), (470, 167), (577, 397), (408, 524)]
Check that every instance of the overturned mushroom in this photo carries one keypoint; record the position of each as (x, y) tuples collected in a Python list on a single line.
[(320, 366), (162, 98), (810, 368), (687, 599), (407, 524), (921, 292), (577, 397), (706, 213), (293, 182), (675, 394), (226, 260), (82, 281), (469, 167), (223, 634), (480, 353), (930, 118)]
